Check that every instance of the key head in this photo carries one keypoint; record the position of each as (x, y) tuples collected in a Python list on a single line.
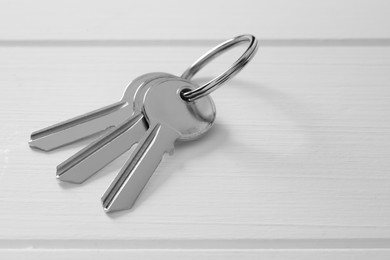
[(137, 84), (163, 104)]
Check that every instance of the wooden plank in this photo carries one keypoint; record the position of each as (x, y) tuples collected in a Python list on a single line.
[(299, 151), (196, 254), (178, 20)]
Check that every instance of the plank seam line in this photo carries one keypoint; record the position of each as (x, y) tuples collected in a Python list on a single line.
[(189, 42), (198, 244)]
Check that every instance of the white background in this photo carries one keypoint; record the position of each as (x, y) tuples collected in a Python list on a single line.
[(296, 167)]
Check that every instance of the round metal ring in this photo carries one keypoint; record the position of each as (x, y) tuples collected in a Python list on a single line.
[(226, 75)]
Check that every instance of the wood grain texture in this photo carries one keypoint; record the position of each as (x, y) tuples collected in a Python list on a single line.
[(298, 158), (296, 167), (198, 254), (189, 20)]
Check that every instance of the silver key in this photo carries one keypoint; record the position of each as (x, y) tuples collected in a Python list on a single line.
[(91, 123), (170, 118), (110, 145)]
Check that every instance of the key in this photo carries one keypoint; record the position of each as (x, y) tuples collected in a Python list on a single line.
[(170, 118), (91, 123), (85, 163)]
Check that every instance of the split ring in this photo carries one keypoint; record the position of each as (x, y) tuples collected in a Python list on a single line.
[(225, 76)]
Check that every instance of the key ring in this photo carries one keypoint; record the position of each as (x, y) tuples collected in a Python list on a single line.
[(226, 75)]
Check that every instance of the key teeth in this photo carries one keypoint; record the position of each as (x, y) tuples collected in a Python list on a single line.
[(64, 179), (35, 142), (35, 145), (171, 151), (113, 207), (62, 176), (68, 180)]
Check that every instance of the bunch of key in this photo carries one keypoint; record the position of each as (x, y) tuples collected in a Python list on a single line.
[(156, 110)]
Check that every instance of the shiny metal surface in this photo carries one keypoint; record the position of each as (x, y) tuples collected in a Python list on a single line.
[(225, 76), (170, 118), (111, 144), (91, 123), (189, 119)]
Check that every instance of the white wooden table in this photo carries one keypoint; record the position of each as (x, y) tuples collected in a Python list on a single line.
[(296, 167)]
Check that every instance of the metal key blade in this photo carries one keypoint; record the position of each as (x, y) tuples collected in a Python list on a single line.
[(94, 122), (170, 118), (111, 145), (102, 151), (80, 127), (132, 178)]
